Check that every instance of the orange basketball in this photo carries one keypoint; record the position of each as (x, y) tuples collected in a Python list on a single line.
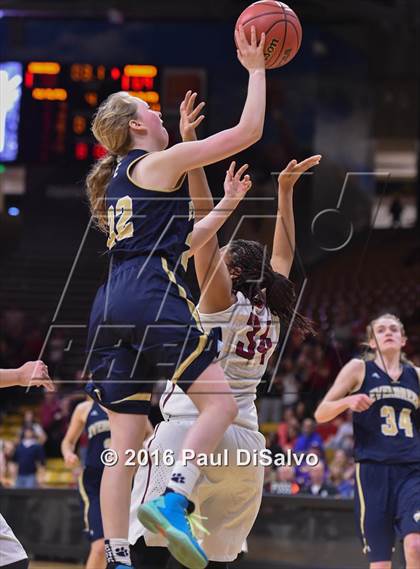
[(282, 30)]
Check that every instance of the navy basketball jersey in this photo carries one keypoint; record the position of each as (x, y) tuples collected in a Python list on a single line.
[(387, 431), (98, 432), (147, 222)]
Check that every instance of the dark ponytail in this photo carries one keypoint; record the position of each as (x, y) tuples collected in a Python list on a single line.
[(250, 266)]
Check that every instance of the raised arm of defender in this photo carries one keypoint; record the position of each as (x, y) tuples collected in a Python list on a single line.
[(284, 233)]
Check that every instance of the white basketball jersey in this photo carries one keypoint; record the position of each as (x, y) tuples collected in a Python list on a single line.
[(250, 335), (11, 550)]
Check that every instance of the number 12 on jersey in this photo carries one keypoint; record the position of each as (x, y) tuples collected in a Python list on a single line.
[(124, 229)]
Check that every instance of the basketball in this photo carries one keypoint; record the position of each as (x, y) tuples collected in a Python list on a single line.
[(281, 26)]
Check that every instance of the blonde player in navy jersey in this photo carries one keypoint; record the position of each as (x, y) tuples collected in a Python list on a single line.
[(248, 296), (383, 394), (90, 417), (143, 324)]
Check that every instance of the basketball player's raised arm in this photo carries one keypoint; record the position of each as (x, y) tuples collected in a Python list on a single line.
[(210, 218), (284, 233), (338, 399), (190, 118), (31, 374), (208, 226), (186, 156), (74, 431), (212, 273)]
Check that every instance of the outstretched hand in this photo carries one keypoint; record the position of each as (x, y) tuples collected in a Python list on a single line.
[(35, 374), (190, 117), (235, 186), (251, 55), (293, 171)]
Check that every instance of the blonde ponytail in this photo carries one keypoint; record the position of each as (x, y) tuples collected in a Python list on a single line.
[(110, 127), (96, 183)]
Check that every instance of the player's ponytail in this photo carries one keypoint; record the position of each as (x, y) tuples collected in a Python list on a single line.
[(111, 129), (250, 265), (281, 300)]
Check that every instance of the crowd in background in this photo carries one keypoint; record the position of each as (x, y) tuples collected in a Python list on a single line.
[(299, 381)]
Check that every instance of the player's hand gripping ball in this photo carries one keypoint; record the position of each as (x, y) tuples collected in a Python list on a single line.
[(281, 26)]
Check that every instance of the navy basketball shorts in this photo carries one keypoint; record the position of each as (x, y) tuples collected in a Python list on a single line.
[(144, 328), (89, 487), (387, 505)]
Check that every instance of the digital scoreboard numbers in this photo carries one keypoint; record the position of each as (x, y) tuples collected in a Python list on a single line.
[(58, 102)]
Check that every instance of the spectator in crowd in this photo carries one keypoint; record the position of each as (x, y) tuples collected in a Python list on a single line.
[(309, 437), (7, 470), (269, 407), (318, 372), (290, 385), (268, 478), (344, 430), (342, 327), (29, 457), (271, 443), (345, 488), (53, 422), (318, 485), (288, 441), (285, 483), (302, 470), (282, 429), (301, 411), (30, 423), (345, 463)]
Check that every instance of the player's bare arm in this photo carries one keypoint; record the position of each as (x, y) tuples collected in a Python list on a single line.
[(209, 265), (74, 431), (338, 399), (284, 233), (211, 219), (236, 188), (163, 169), (30, 374), (190, 119), (212, 272)]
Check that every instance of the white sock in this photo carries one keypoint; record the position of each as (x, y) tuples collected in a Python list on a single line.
[(117, 551), (184, 477)]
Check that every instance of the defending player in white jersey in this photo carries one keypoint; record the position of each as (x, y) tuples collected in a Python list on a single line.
[(12, 554), (248, 295)]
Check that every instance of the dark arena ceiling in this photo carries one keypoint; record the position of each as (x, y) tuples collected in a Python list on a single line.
[(332, 11)]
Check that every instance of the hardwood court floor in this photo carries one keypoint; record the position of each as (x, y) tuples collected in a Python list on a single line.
[(52, 565)]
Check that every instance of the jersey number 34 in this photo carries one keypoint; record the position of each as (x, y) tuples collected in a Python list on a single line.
[(390, 427), (261, 343)]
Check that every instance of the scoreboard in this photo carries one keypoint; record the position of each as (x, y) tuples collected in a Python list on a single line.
[(46, 107)]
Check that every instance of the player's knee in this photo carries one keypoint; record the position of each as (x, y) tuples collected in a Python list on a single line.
[(229, 408), (412, 547)]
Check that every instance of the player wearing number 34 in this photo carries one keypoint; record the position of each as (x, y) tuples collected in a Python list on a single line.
[(384, 394), (248, 295)]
